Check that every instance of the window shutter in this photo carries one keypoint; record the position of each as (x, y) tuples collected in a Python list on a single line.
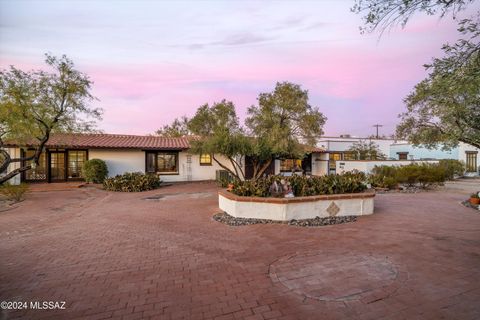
[(151, 159)]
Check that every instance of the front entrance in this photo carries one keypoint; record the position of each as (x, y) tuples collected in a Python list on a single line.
[(57, 165)]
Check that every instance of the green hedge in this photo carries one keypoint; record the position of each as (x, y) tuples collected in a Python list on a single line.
[(424, 174), (452, 168), (95, 170), (349, 182), (132, 182)]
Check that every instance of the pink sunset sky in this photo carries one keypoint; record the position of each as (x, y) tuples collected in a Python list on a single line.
[(153, 61)]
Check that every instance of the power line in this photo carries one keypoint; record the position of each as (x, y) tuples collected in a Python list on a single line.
[(377, 126)]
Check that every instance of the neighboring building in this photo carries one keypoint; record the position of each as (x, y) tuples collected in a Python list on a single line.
[(337, 149), (463, 152), (336, 155)]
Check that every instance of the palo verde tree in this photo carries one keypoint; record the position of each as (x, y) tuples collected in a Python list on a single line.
[(445, 107), (367, 150), (283, 124), (35, 104)]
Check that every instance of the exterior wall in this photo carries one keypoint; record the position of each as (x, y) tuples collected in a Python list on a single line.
[(417, 153), (277, 166), (319, 164), (193, 171), (462, 156), (295, 208), (367, 165), (14, 153), (120, 161), (343, 144)]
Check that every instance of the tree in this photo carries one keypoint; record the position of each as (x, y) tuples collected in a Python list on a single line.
[(35, 104), (282, 125), (217, 132), (367, 150), (383, 14), (178, 128), (445, 107)]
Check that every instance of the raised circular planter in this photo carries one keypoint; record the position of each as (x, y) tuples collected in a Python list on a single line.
[(284, 209)]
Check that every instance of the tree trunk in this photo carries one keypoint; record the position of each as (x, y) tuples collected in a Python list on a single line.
[(262, 169), (13, 173), (226, 168)]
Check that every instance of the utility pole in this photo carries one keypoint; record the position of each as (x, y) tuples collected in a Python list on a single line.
[(377, 126)]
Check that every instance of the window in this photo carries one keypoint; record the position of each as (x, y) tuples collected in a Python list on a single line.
[(287, 165), (471, 163), (334, 157), (76, 159), (402, 155), (205, 159), (349, 156), (162, 162), (37, 172)]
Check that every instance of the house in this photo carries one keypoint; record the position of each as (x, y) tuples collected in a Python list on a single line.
[(170, 158), (65, 155)]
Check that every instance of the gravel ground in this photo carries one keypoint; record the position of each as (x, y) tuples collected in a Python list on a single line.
[(315, 222)]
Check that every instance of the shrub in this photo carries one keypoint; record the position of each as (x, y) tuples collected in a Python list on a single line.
[(379, 181), (384, 177), (349, 182), (385, 171), (132, 182), (13, 192), (95, 170), (408, 174), (452, 168), (425, 174)]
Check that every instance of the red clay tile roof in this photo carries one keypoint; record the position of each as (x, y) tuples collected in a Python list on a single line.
[(114, 141)]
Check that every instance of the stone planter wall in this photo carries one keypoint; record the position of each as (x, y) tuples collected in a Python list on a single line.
[(284, 209)]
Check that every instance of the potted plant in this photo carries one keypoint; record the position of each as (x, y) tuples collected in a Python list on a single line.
[(475, 198)]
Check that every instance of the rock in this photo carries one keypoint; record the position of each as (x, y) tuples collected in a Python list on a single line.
[(224, 217)]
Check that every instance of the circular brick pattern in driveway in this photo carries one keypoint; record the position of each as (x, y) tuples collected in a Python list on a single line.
[(338, 277)]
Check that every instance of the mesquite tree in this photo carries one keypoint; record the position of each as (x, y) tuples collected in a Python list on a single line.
[(35, 104), (283, 124)]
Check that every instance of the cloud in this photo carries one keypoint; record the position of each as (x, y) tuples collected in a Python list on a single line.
[(237, 39), (242, 39)]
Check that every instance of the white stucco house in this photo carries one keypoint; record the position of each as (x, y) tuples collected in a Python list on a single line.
[(65, 154), (170, 158)]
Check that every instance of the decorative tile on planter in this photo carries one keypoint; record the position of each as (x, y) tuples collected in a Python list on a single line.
[(333, 209)]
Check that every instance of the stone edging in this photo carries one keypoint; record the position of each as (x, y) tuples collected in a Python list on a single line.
[(343, 196)]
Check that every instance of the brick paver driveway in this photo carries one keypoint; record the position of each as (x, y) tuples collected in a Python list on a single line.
[(114, 255)]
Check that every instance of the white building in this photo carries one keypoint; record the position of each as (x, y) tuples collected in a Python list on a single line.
[(337, 158), (65, 154)]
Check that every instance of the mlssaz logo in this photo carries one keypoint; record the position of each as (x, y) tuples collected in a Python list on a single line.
[(47, 305)]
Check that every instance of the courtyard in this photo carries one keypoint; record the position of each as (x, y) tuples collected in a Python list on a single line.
[(160, 255)]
